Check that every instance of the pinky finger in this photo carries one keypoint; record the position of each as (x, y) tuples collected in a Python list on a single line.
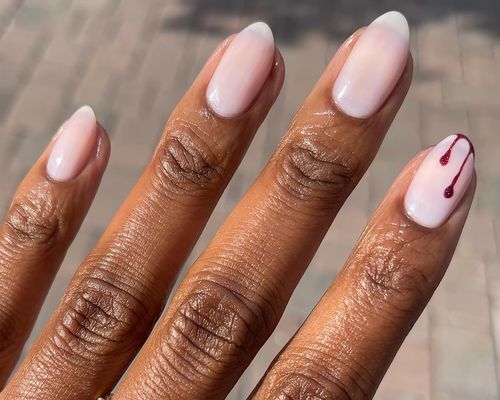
[(350, 339), (44, 217)]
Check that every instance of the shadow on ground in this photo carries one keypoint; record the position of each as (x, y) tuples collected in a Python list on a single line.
[(333, 18)]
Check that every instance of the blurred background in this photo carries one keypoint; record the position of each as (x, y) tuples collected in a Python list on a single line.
[(133, 59)]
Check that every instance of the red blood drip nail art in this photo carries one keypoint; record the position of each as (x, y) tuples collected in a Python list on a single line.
[(449, 191)]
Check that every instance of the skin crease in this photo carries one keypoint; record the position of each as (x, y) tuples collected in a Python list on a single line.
[(233, 296)]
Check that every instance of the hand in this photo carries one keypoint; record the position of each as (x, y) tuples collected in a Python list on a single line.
[(234, 294)]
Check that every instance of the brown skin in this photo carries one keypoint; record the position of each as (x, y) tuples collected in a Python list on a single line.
[(42, 220), (234, 294), (348, 342)]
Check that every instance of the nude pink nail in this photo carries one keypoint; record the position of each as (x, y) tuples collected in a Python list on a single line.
[(242, 71), (74, 145), (441, 181), (373, 67)]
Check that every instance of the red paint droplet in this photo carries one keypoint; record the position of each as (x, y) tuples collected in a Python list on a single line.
[(445, 158)]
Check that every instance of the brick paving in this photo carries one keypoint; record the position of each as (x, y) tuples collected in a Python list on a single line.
[(133, 59)]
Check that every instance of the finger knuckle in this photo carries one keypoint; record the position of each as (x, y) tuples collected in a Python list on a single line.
[(34, 221), (11, 334), (186, 163), (216, 329), (321, 376), (309, 170), (100, 317), (301, 386), (389, 274)]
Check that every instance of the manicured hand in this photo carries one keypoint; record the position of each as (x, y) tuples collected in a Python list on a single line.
[(234, 294)]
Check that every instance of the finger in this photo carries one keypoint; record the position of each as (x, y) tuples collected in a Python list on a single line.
[(348, 342), (235, 293), (121, 287), (44, 217)]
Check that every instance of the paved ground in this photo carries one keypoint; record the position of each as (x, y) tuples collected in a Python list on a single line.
[(132, 60)]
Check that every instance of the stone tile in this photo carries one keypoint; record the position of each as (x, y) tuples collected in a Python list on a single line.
[(463, 364), (28, 150), (465, 273), (7, 7), (382, 175), (474, 97), (66, 53), (483, 127), (481, 71), (134, 142), (409, 377), (435, 39), (429, 91), (35, 111), (9, 88), (8, 188), (403, 141), (473, 41), (339, 241), (461, 309), (116, 184), (478, 237), (439, 122)]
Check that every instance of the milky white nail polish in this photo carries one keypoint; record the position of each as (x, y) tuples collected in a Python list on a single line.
[(441, 181), (242, 71), (74, 146), (373, 67)]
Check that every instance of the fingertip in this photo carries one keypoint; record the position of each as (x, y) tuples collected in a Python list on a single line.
[(103, 144), (277, 75)]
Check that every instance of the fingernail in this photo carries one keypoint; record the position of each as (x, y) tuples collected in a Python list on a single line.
[(74, 146), (374, 66), (242, 71), (441, 181)]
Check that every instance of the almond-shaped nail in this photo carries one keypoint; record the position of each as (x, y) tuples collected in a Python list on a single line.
[(441, 181), (74, 145), (242, 71), (373, 67)]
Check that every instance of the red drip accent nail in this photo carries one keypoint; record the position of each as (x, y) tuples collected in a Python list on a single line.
[(445, 158)]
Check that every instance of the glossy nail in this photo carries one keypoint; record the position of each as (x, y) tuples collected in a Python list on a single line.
[(242, 71), (74, 145), (374, 66), (441, 181)]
